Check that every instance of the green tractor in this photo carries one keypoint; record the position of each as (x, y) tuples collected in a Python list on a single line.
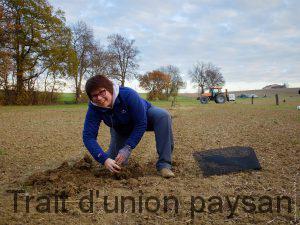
[(215, 93)]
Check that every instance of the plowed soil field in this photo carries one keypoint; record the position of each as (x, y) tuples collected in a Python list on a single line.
[(47, 176)]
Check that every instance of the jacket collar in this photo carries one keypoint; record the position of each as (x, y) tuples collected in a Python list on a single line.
[(115, 92)]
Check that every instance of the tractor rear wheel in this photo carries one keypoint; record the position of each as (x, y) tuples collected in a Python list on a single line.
[(204, 99), (220, 98)]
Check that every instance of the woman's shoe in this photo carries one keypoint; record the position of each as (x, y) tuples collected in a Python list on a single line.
[(166, 173)]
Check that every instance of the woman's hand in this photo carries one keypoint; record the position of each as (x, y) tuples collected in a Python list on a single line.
[(112, 166), (123, 155)]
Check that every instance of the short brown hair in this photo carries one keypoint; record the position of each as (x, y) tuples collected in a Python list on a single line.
[(98, 81)]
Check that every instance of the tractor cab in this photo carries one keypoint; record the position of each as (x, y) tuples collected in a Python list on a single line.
[(215, 93)]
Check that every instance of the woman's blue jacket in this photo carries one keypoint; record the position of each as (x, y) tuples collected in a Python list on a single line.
[(128, 116)]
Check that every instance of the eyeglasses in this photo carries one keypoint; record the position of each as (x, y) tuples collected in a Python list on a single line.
[(101, 93)]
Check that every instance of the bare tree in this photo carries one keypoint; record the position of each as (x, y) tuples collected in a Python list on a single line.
[(83, 45), (103, 62), (213, 76), (125, 55), (206, 75), (176, 79), (198, 76)]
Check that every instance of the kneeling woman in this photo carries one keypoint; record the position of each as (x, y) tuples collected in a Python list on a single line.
[(128, 116)]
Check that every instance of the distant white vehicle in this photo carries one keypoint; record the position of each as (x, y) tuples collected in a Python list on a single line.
[(247, 96), (253, 95), (231, 97), (298, 107)]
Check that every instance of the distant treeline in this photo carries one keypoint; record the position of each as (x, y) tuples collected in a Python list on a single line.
[(39, 53)]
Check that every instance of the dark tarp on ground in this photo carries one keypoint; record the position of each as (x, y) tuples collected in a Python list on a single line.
[(226, 160)]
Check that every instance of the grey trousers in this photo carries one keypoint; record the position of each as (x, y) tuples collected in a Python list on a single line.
[(159, 121)]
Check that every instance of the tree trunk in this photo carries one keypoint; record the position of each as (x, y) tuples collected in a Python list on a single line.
[(20, 82), (77, 95), (20, 88), (45, 89), (52, 90), (6, 91), (202, 89), (51, 95), (6, 96)]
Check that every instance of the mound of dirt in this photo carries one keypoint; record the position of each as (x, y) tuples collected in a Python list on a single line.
[(70, 178)]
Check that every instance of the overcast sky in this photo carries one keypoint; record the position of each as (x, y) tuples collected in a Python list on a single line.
[(254, 42)]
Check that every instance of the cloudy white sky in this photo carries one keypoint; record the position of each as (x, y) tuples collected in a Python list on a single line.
[(254, 42)]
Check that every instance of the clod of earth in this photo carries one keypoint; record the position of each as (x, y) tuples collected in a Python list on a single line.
[(71, 177)]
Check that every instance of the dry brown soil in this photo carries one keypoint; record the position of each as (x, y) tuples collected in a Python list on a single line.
[(42, 154)]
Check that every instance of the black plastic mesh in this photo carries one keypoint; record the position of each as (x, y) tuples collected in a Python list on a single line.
[(226, 160)]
